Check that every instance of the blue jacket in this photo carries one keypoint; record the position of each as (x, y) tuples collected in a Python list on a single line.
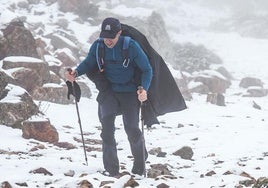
[(121, 77)]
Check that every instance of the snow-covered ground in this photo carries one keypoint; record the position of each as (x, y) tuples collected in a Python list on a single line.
[(231, 138)]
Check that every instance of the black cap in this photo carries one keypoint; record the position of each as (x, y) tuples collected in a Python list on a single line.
[(110, 27)]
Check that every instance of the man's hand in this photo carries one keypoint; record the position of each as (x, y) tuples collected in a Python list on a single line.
[(70, 75), (142, 94)]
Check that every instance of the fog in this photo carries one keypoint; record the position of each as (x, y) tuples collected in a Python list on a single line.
[(247, 17)]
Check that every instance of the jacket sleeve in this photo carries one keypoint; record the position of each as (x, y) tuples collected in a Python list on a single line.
[(89, 63), (142, 62)]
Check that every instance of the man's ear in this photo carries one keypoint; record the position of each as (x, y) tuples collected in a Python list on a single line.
[(119, 32)]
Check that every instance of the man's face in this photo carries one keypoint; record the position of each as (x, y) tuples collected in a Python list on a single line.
[(110, 43)]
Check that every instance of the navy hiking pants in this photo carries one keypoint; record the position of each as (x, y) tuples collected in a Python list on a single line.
[(128, 105)]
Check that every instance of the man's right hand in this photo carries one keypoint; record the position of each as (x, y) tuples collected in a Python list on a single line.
[(70, 75)]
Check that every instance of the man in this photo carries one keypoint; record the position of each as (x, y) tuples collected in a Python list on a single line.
[(121, 96)]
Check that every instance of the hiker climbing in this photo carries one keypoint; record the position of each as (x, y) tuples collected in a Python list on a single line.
[(118, 63), (120, 92)]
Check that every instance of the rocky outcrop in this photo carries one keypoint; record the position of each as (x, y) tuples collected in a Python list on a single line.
[(16, 106), (52, 92), (81, 7), (193, 58), (250, 81), (17, 41), (34, 75), (210, 81), (254, 86), (38, 65), (27, 78)]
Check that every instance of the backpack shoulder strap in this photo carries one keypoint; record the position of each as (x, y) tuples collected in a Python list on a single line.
[(100, 51), (100, 54), (125, 51)]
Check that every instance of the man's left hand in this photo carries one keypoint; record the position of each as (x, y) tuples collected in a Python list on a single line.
[(142, 95)]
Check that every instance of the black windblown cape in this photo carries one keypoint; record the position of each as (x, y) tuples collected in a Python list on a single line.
[(164, 95)]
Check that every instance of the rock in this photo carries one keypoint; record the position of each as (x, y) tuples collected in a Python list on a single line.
[(57, 93), (215, 81), (210, 173), (216, 98), (41, 170), (83, 8), (23, 184), (225, 73), (54, 78), (70, 173), (182, 83), (162, 185), (27, 78), (19, 40), (85, 184), (262, 182), (248, 183), (255, 105), (161, 154), (198, 87), (155, 151), (3, 84), (185, 153), (66, 57), (51, 92), (3, 46), (158, 170), (38, 65), (40, 129), (103, 183), (5, 184), (193, 58), (16, 106), (250, 81), (60, 42), (256, 92), (155, 32), (131, 183), (65, 145)]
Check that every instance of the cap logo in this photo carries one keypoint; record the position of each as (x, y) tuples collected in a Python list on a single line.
[(108, 27)]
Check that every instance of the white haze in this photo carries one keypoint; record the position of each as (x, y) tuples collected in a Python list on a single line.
[(231, 138)]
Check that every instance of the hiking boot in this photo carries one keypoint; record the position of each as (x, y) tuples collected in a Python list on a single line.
[(138, 166), (106, 173), (137, 170)]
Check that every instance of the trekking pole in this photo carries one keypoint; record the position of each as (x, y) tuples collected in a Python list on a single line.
[(79, 120), (142, 131)]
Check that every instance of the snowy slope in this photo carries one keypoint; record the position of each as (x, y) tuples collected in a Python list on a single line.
[(224, 139)]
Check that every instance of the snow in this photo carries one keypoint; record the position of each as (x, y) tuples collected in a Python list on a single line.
[(238, 53), (14, 94), (23, 59), (223, 138), (67, 41), (52, 85)]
